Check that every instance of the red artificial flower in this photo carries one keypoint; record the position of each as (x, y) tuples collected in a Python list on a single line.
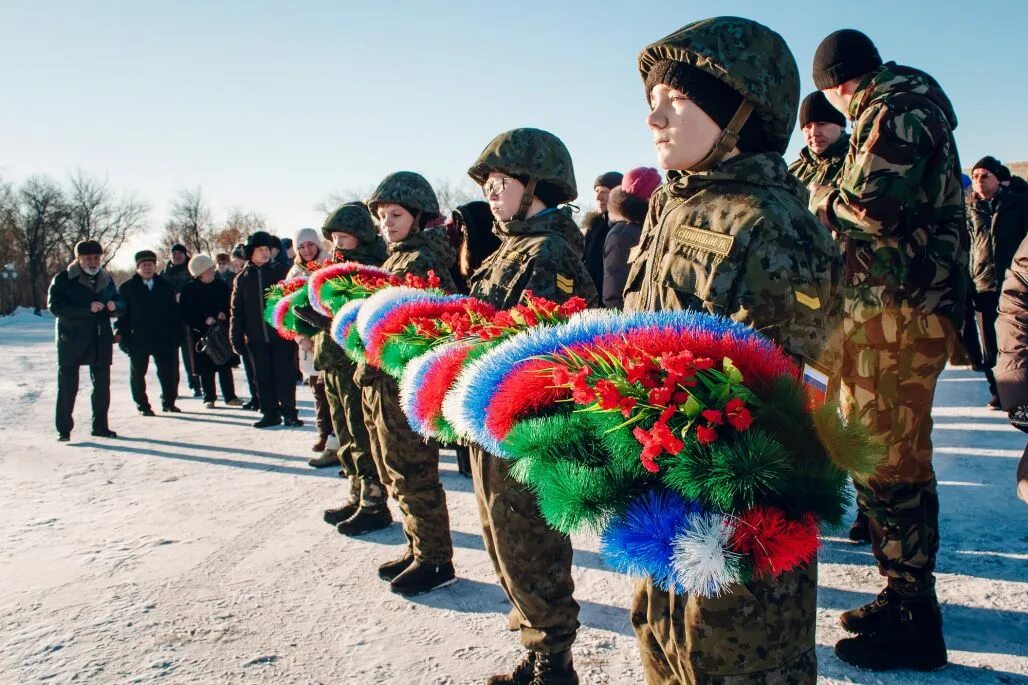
[(609, 395), (503, 319), (680, 397), (677, 363), (739, 417), (703, 364), (627, 404), (705, 435), (572, 306), (666, 415), (425, 327), (561, 375), (650, 451), (582, 393), (713, 416), (639, 370), (659, 396), (667, 439)]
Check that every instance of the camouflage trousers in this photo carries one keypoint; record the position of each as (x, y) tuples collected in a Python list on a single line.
[(531, 560), (889, 373), (347, 412), (409, 468), (763, 632)]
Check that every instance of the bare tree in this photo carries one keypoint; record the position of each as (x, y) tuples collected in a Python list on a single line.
[(41, 230), (189, 223), (334, 199), (452, 195), (239, 226), (96, 213)]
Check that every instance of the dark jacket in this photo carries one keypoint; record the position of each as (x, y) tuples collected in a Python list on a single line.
[(202, 300), (83, 338), (178, 275), (997, 228), (596, 227), (622, 237), (1011, 369), (151, 322), (246, 320)]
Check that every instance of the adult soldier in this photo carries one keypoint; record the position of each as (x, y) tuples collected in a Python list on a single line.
[(824, 132), (83, 299), (176, 272), (150, 326), (997, 219), (525, 175), (730, 234), (898, 206), (354, 238), (404, 204)]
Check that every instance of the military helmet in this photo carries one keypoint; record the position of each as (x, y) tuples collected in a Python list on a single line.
[(530, 152), (408, 189), (748, 57), (353, 218)]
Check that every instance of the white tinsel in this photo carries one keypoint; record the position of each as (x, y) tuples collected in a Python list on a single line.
[(702, 563)]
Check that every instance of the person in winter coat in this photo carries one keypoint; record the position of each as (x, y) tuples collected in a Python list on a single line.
[(596, 225), (898, 207), (150, 326), (1012, 182), (1012, 364), (997, 219), (477, 242), (224, 265), (526, 175), (274, 359), (83, 299), (176, 272), (626, 207), (311, 255), (730, 234), (238, 262), (824, 132), (405, 203), (205, 303)]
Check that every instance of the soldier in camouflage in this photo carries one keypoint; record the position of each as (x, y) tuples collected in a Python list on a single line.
[(404, 204), (354, 239), (525, 175), (898, 207), (730, 234), (824, 132)]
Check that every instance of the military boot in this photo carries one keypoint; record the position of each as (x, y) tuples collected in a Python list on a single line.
[(523, 673), (391, 569), (420, 578), (554, 669), (860, 531), (913, 641), (365, 521), (874, 617), (339, 514)]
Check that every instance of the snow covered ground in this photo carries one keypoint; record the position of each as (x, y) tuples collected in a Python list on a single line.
[(191, 550)]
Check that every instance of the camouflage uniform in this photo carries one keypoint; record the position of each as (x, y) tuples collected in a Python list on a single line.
[(408, 466), (899, 209), (737, 240), (543, 254), (821, 168), (343, 393)]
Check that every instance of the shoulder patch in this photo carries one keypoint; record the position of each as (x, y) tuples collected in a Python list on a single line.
[(565, 284), (702, 239), (807, 300)]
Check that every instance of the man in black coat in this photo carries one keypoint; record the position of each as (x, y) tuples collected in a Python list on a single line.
[(83, 299), (150, 327), (176, 272), (274, 359), (596, 225)]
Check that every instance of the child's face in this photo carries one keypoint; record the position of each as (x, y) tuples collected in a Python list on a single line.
[(395, 221), (682, 132)]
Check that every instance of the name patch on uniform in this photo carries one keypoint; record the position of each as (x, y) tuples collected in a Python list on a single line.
[(565, 284), (705, 240)]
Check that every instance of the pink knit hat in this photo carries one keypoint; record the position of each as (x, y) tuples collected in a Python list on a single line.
[(641, 182)]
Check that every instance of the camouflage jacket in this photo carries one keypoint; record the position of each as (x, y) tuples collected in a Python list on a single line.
[(898, 206), (328, 355), (822, 169), (737, 240), (424, 251), (542, 254), (997, 227)]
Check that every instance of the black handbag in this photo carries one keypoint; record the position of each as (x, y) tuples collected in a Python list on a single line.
[(215, 344)]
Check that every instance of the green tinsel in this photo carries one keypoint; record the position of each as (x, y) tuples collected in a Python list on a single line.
[(397, 353), (848, 442), (353, 346)]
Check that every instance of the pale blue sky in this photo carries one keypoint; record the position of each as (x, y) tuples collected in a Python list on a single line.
[(272, 107)]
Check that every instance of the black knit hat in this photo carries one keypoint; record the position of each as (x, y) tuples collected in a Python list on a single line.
[(990, 164), (179, 247), (84, 247), (816, 108), (844, 55), (609, 180), (714, 97), (146, 256), (1004, 174)]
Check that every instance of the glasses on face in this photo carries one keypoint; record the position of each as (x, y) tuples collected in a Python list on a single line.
[(495, 186)]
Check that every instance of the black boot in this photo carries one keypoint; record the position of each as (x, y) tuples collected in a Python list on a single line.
[(463, 461), (146, 411), (860, 531), (340, 514), (293, 421), (365, 521), (554, 669), (913, 641), (875, 617), (420, 578), (522, 674), (391, 569), (267, 422)]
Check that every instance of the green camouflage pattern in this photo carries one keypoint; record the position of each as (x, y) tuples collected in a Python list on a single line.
[(421, 252), (345, 405), (542, 254), (353, 218), (410, 470), (899, 204), (532, 561), (821, 169), (748, 57), (531, 152), (409, 189), (738, 241), (889, 373), (762, 633)]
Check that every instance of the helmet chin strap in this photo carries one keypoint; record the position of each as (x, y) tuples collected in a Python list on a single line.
[(728, 139), (526, 201)]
